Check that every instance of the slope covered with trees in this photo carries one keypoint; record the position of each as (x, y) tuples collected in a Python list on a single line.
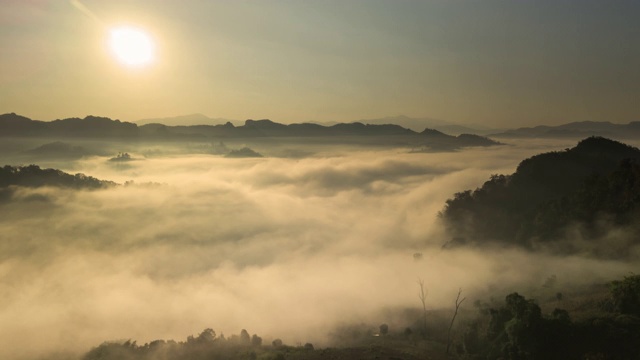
[(34, 176), (554, 198)]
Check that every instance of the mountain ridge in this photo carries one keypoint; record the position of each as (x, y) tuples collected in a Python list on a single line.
[(101, 127), (577, 129)]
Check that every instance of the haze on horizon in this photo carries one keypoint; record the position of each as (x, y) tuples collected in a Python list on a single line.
[(501, 64)]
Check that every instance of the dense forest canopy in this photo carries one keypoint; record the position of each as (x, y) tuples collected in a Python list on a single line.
[(586, 189)]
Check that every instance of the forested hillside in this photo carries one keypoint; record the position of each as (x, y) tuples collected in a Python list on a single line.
[(34, 176), (555, 199)]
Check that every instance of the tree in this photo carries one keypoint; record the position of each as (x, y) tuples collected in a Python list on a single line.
[(207, 335), (384, 329), (245, 339), (276, 343), (525, 330), (256, 340), (423, 298), (458, 303)]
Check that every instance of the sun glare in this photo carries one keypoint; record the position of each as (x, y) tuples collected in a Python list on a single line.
[(131, 46)]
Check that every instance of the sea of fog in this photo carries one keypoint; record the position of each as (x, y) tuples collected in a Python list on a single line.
[(282, 247)]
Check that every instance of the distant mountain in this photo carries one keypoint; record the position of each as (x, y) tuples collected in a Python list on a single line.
[(90, 127), (435, 140), (245, 152), (567, 201), (415, 124), (576, 130), (17, 125), (97, 127), (463, 129), (58, 150), (187, 120), (268, 128), (419, 124)]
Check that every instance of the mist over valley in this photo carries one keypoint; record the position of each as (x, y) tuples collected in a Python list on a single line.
[(174, 238), (319, 180)]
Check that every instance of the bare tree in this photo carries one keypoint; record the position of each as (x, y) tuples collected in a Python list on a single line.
[(458, 303), (423, 297)]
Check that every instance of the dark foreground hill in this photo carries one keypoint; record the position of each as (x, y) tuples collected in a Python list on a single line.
[(567, 201)]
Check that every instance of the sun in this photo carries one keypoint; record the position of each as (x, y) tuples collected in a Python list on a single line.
[(131, 46)]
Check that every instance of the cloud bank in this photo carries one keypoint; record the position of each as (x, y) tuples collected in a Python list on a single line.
[(283, 247)]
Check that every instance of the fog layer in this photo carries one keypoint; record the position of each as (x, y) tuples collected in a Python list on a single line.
[(285, 248)]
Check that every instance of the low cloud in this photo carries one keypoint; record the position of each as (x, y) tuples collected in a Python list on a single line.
[(285, 248)]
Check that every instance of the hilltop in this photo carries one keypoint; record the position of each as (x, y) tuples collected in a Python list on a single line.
[(34, 176), (90, 127), (566, 201)]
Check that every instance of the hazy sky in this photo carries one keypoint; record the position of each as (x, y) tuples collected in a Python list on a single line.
[(496, 63)]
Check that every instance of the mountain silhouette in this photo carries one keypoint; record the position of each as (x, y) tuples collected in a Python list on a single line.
[(588, 189), (89, 127), (435, 140), (100, 127), (419, 124), (245, 152), (579, 129), (58, 150), (184, 120)]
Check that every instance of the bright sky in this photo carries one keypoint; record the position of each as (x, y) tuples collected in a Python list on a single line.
[(496, 63)]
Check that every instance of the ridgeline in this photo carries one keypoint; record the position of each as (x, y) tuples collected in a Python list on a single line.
[(92, 127)]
